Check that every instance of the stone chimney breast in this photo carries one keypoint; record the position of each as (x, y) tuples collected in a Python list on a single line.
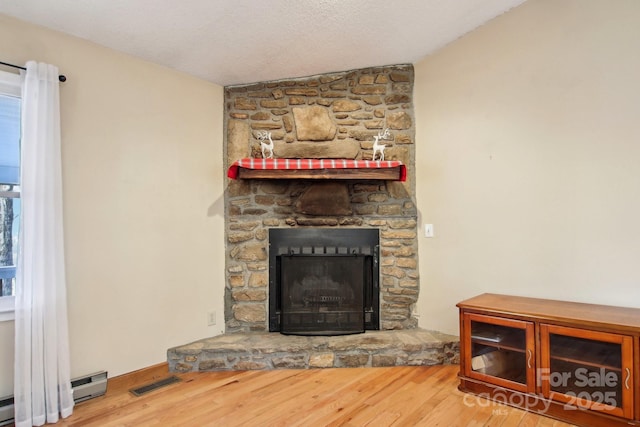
[(332, 116)]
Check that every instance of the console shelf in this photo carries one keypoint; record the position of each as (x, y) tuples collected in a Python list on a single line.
[(571, 361)]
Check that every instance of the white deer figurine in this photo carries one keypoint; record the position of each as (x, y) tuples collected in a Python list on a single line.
[(267, 148), (379, 148)]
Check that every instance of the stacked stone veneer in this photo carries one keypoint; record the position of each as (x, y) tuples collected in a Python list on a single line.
[(328, 116)]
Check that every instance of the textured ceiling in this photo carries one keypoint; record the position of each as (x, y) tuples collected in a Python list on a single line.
[(244, 41)]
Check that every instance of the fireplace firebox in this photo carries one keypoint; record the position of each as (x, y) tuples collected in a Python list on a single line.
[(323, 281)]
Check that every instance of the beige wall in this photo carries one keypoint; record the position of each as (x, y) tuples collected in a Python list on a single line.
[(528, 158), (143, 189)]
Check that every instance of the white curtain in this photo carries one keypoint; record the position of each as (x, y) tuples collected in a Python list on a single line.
[(42, 385)]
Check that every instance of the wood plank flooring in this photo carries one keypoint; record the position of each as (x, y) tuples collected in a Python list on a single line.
[(398, 396)]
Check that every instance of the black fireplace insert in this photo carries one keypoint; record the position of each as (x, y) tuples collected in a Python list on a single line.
[(323, 281)]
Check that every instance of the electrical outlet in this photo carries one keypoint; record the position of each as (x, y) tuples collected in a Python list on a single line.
[(428, 230), (211, 318)]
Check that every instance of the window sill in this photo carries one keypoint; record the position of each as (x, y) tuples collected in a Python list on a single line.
[(7, 308)]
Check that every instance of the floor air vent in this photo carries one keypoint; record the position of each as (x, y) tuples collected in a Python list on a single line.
[(154, 386)]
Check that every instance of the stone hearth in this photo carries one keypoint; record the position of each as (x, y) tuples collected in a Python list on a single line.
[(409, 347)]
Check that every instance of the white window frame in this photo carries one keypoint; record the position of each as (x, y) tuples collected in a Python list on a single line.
[(10, 84)]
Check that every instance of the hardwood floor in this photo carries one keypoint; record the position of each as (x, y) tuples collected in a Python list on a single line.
[(399, 396)]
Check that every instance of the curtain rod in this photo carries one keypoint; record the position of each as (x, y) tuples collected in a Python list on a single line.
[(61, 77)]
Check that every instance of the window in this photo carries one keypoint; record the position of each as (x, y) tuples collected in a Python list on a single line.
[(9, 189)]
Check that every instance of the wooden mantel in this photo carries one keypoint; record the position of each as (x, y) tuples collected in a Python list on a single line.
[(387, 174), (317, 169)]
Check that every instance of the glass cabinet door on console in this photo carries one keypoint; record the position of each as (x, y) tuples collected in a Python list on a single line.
[(587, 369), (500, 351)]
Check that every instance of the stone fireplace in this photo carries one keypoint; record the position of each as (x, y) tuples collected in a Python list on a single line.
[(330, 116)]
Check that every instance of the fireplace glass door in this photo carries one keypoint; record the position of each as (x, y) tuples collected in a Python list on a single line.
[(323, 294)]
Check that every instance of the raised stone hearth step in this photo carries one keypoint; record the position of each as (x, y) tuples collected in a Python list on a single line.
[(271, 350)]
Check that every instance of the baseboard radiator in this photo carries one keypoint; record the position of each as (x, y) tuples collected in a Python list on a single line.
[(84, 388), (6, 411)]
